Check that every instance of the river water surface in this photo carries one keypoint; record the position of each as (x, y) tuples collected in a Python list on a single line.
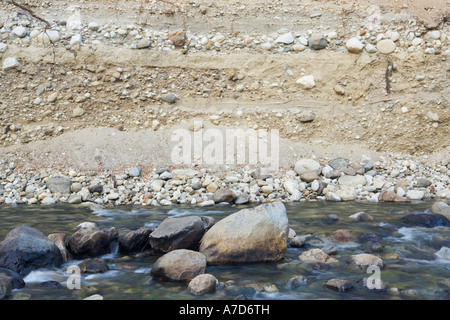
[(416, 258)]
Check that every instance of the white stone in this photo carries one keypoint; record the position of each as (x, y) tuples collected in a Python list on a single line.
[(307, 165), (370, 48), (10, 63), (286, 38), (331, 196), (332, 35), (76, 39), (386, 46), (416, 41), (315, 185), (352, 180), (353, 45), (48, 36), (3, 47), (433, 35), (307, 82), (93, 26), (20, 31), (415, 194), (266, 46)]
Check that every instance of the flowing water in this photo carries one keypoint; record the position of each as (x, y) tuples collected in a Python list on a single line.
[(420, 271)]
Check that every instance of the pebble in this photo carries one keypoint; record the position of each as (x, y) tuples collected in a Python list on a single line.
[(286, 38), (20, 31), (10, 63), (353, 45), (307, 82), (317, 42), (386, 46)]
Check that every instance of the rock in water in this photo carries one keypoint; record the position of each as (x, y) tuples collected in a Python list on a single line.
[(340, 285), (202, 284), (179, 265), (250, 235), (178, 233), (91, 241), (363, 260), (426, 220), (25, 249), (5, 287), (134, 241)]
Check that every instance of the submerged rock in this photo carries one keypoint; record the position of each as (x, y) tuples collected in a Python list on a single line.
[(363, 260), (426, 220), (25, 249), (317, 255), (250, 235), (340, 285)]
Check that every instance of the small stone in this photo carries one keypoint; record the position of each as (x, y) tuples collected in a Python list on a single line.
[(309, 177), (317, 42), (340, 285), (370, 48), (169, 98), (93, 26), (143, 43), (339, 89), (296, 282), (286, 38), (317, 255), (3, 47), (77, 112), (52, 97), (203, 284), (361, 217), (10, 63), (266, 46), (298, 47), (307, 82), (306, 116), (20, 31), (386, 46), (353, 45), (135, 172), (76, 39)]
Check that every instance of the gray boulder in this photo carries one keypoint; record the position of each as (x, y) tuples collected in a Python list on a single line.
[(5, 287), (179, 265), (135, 241), (250, 235), (25, 249), (59, 185), (179, 233)]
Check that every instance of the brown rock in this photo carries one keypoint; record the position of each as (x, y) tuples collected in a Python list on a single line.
[(317, 255), (178, 38), (343, 236), (309, 177), (60, 240)]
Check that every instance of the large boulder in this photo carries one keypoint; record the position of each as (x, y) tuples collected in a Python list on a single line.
[(178, 233), (134, 241), (179, 265), (250, 235), (25, 249), (92, 241)]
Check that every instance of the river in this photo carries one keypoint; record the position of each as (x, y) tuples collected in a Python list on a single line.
[(416, 258)]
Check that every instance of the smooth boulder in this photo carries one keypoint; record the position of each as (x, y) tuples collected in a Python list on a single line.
[(203, 284), (256, 234), (25, 249), (179, 265), (179, 233)]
